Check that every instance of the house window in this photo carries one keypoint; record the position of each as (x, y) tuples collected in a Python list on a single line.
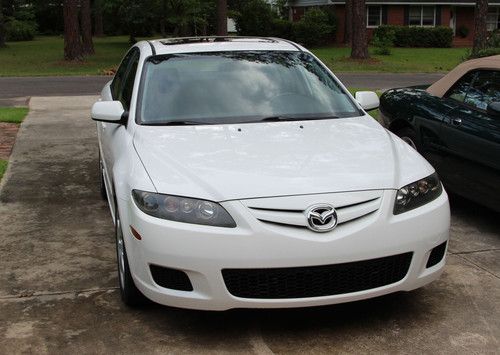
[(422, 16), (492, 20), (373, 16)]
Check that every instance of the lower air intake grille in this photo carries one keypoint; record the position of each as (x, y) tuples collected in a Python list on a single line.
[(171, 278), (316, 281), (437, 255)]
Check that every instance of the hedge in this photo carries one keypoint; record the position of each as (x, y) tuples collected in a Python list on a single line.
[(410, 36)]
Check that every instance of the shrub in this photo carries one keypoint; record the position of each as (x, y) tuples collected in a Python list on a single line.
[(282, 29), (314, 28), (255, 18), (463, 31), (404, 36), (492, 47), (383, 39), (494, 40), (17, 30), (382, 46)]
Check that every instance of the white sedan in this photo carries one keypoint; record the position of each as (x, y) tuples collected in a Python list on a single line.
[(240, 173)]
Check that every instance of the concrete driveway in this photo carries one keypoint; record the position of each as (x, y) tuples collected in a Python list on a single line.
[(58, 282)]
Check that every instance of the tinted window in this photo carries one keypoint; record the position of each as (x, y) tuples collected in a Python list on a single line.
[(230, 87), (485, 89), (459, 91), (128, 85), (117, 84)]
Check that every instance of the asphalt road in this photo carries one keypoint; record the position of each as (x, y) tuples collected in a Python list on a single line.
[(58, 276), (11, 87)]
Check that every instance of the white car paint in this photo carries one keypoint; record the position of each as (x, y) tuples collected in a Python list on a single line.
[(252, 169)]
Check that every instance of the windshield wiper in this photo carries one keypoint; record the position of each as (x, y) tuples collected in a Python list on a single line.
[(174, 123), (288, 118)]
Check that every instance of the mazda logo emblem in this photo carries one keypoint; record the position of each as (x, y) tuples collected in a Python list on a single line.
[(321, 218)]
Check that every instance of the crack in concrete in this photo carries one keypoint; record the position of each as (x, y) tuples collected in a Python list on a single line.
[(32, 295), (473, 251), (478, 266)]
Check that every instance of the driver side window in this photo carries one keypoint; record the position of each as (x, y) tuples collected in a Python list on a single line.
[(484, 90), (459, 91), (477, 89)]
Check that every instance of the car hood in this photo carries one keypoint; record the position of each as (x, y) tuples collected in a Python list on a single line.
[(238, 161)]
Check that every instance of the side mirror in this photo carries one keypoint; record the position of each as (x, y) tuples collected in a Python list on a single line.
[(493, 109), (108, 111), (368, 100)]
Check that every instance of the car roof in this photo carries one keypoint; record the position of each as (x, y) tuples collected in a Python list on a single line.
[(221, 44), (440, 87)]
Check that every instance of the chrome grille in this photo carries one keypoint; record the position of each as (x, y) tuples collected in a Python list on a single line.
[(291, 210)]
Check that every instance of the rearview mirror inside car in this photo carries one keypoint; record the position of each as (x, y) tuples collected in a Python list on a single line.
[(368, 100), (108, 111), (493, 109)]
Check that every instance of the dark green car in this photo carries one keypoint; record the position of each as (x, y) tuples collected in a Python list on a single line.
[(455, 125)]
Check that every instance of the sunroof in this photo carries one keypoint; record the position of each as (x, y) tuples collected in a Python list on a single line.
[(184, 40)]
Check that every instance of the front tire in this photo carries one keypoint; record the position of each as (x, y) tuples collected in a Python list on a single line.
[(409, 136), (130, 294)]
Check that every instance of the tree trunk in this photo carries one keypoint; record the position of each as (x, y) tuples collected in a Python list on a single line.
[(2, 27), (348, 22), (72, 44), (98, 20), (87, 44), (221, 17), (359, 38), (480, 32)]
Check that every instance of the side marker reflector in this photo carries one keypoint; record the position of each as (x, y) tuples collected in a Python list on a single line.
[(135, 233)]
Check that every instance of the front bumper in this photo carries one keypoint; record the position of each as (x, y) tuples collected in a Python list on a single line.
[(203, 252)]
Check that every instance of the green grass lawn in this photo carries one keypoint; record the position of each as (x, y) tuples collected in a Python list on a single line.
[(44, 56), (3, 167), (13, 114), (402, 60)]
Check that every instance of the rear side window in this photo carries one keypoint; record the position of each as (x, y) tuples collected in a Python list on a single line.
[(128, 85), (116, 85)]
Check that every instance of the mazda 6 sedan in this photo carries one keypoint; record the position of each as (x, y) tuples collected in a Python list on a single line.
[(455, 124), (240, 173)]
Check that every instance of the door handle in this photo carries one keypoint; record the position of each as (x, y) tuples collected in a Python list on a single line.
[(456, 121)]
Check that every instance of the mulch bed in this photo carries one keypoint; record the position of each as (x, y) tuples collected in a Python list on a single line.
[(8, 132)]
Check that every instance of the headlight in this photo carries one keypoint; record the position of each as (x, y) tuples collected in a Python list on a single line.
[(417, 194), (183, 209)]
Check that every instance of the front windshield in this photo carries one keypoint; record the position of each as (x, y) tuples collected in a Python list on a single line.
[(239, 87)]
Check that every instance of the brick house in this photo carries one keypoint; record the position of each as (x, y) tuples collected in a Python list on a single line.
[(457, 14)]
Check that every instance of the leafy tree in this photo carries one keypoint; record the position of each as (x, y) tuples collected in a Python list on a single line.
[(254, 18), (188, 17), (315, 28)]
